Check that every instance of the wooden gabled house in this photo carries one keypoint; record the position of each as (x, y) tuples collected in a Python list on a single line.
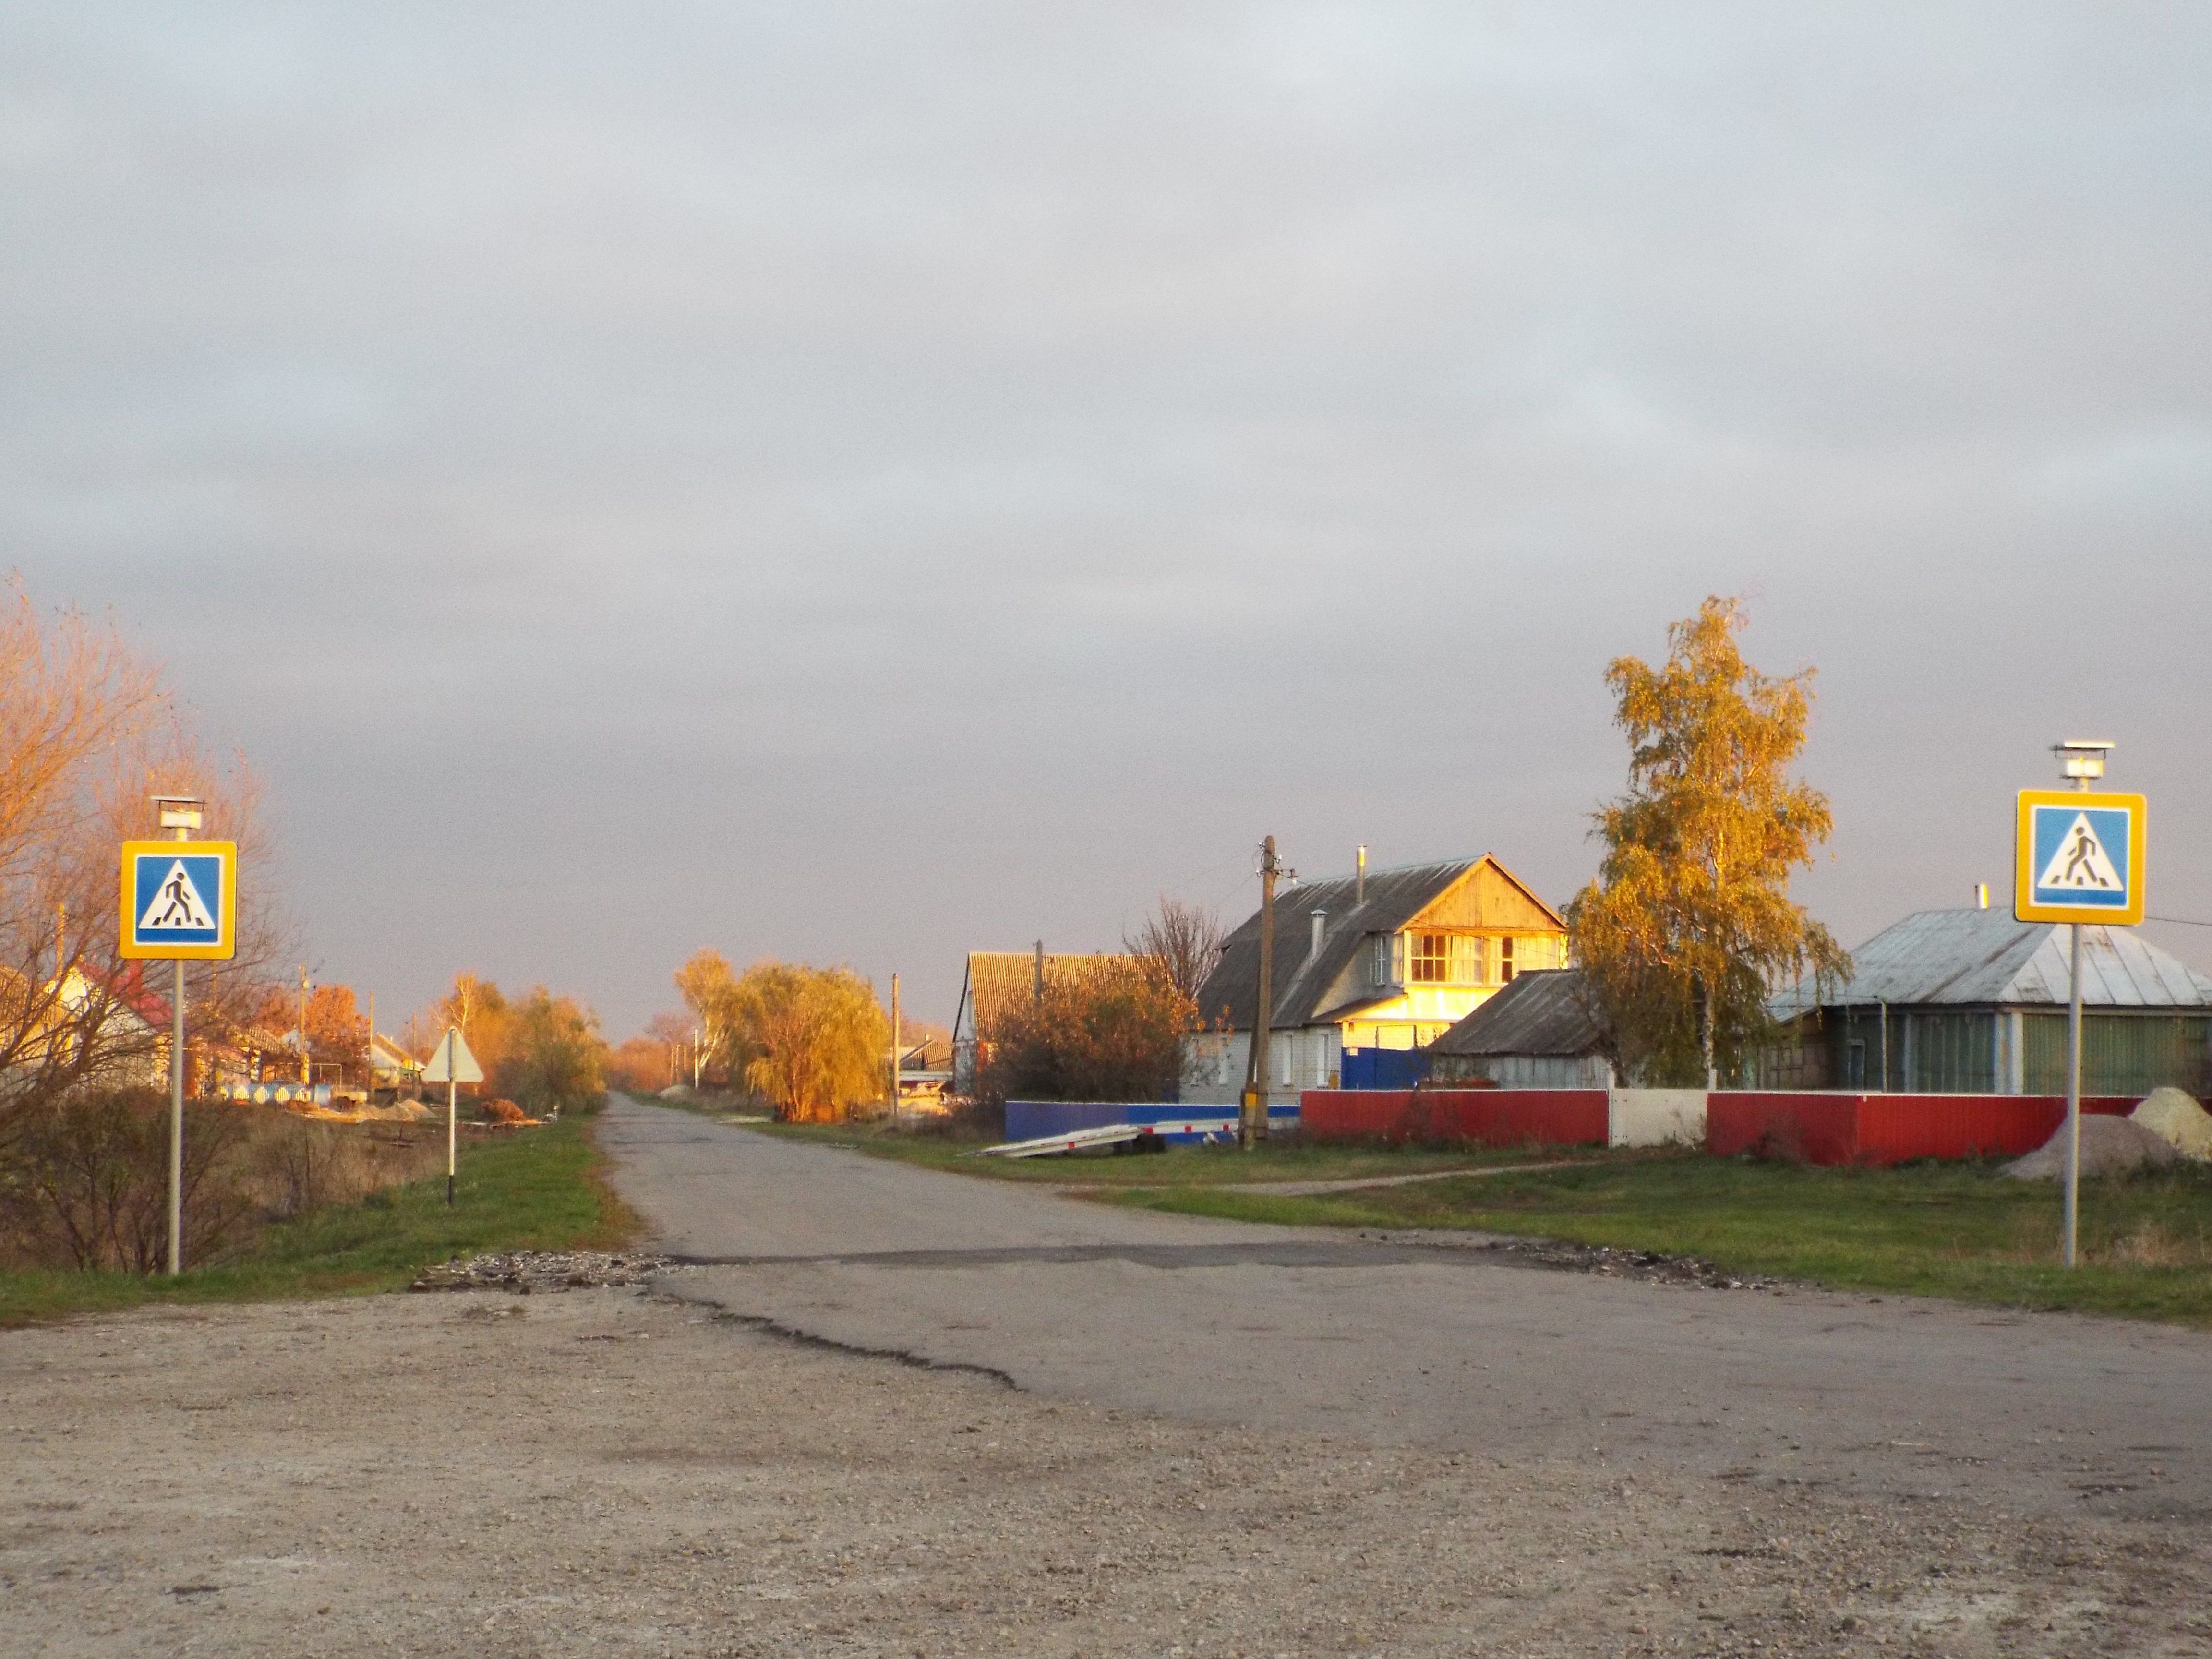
[(1376, 959)]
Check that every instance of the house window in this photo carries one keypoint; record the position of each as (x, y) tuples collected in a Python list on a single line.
[(1431, 958), (1505, 960), (1466, 958)]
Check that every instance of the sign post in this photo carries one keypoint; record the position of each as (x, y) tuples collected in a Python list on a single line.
[(452, 1065), (178, 906), (2078, 857)]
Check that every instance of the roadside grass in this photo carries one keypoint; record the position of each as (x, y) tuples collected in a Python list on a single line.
[(1176, 1167), (1959, 1231), (538, 1189)]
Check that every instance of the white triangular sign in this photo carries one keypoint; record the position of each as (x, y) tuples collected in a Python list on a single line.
[(2080, 863), (176, 904), (451, 1062)]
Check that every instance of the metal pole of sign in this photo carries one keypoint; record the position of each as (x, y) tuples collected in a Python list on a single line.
[(2074, 1095), (177, 1119), (2083, 761), (452, 1116), (177, 1104), (2074, 1078)]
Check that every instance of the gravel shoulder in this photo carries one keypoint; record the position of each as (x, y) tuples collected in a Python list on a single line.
[(607, 1469)]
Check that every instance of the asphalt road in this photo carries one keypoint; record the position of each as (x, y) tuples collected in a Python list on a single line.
[(2036, 1416)]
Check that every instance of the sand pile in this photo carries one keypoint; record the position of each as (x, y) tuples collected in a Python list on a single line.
[(2179, 1121), (2110, 1146)]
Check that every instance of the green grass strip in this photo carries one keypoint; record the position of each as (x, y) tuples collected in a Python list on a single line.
[(1947, 1230)]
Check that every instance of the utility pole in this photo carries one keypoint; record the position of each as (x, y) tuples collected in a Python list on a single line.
[(896, 1055), (1252, 1121), (307, 1077)]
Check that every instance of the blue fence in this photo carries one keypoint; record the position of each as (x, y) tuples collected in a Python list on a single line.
[(1183, 1124), (1383, 1069)]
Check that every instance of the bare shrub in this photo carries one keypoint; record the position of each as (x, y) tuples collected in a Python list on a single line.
[(88, 1183), (85, 1184)]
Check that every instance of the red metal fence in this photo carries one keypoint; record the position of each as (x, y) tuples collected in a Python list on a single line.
[(1841, 1128), (1820, 1128), (1494, 1117)]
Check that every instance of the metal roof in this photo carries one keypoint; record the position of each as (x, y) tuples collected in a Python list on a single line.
[(1304, 975), (1542, 1011), (1983, 958)]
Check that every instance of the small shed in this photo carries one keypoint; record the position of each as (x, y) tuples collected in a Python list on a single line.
[(1541, 1032)]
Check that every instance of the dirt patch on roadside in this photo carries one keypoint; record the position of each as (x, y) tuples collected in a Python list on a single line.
[(605, 1471)]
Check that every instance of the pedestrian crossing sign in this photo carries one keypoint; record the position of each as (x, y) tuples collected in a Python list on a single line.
[(179, 901), (2078, 858)]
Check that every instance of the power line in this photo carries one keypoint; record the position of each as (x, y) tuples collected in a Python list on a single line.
[(2179, 921)]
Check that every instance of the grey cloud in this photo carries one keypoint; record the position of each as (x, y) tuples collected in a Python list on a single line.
[(872, 482)]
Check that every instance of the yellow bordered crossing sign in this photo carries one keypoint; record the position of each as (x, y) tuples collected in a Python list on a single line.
[(179, 901), (2078, 858)]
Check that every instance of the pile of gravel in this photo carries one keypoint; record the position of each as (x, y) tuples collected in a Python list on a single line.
[(2110, 1146), (2175, 1117), (526, 1270)]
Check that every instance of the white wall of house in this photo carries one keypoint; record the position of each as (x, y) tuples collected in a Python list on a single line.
[(1214, 1065)]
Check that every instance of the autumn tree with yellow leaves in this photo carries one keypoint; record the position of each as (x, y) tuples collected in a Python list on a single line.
[(813, 1041), (1689, 925)]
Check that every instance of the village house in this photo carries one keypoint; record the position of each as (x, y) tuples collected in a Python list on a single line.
[(999, 981), (1971, 1001), (1376, 960), (133, 1024)]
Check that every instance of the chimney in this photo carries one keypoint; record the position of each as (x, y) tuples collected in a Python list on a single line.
[(1036, 990), (1981, 896), (1360, 878), (1320, 927)]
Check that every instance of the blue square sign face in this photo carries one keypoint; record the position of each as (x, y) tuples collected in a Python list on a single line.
[(178, 899), (2079, 857)]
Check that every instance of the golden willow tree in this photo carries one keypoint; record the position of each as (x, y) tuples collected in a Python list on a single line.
[(813, 1041), (1689, 927)]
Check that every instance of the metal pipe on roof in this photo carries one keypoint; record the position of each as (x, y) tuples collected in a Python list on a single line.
[(1360, 878), (1320, 927)]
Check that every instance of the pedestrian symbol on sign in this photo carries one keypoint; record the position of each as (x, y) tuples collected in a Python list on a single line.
[(2080, 861), (176, 904)]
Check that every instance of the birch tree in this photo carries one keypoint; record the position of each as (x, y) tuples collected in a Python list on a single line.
[(1689, 925)]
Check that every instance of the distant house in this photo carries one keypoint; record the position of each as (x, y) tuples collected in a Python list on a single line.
[(998, 982), (134, 1023), (1542, 1031), (391, 1067), (1971, 1001), (1378, 959)]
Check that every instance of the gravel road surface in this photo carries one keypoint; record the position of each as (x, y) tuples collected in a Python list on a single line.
[(1290, 1446)]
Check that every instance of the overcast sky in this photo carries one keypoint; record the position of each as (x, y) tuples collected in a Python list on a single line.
[(862, 484)]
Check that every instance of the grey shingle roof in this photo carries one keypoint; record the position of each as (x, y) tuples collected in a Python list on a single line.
[(1543, 1011), (1985, 958), (1303, 976)]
